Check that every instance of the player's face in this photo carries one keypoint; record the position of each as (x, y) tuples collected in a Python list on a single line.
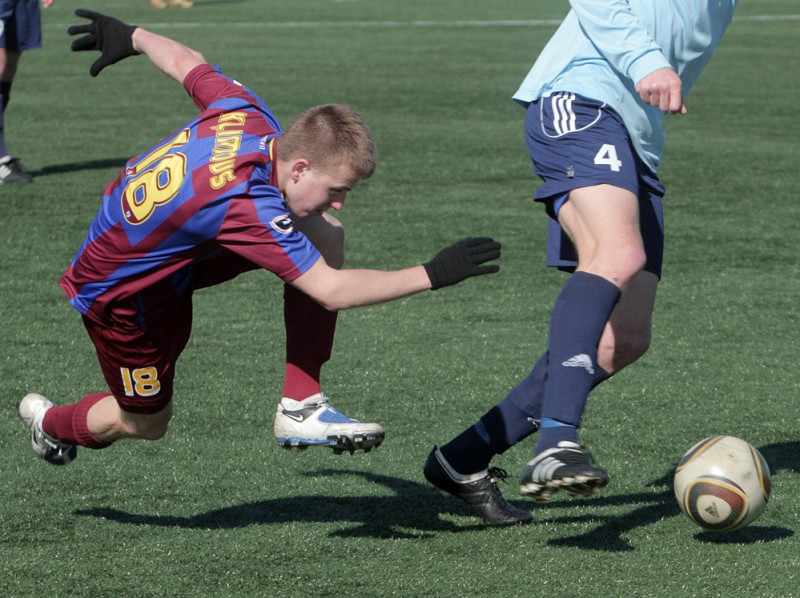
[(313, 191)]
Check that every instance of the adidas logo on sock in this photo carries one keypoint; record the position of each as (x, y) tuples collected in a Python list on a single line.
[(580, 361)]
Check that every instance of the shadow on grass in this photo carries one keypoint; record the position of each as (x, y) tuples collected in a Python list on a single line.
[(608, 536), (78, 166), (413, 511)]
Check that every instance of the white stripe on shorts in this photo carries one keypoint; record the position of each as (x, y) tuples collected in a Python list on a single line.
[(563, 116)]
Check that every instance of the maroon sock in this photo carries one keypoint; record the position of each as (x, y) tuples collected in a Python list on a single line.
[(67, 423), (310, 329)]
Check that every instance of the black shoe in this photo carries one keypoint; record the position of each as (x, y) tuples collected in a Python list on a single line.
[(482, 494), (11, 171), (567, 466)]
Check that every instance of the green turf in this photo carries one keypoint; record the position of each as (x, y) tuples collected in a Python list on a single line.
[(216, 509)]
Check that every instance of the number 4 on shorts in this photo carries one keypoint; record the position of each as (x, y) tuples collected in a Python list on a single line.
[(608, 155)]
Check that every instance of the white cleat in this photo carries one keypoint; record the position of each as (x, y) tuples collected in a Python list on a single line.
[(31, 409), (314, 422)]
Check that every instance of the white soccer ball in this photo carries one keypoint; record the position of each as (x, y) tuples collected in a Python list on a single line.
[(722, 483)]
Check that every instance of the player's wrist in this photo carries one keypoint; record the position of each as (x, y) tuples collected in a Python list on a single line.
[(137, 33)]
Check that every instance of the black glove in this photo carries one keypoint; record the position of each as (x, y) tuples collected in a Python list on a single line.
[(107, 34), (462, 260)]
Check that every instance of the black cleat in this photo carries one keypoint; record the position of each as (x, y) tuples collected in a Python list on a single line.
[(11, 171), (482, 493)]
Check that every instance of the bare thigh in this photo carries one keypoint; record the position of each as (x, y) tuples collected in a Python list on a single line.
[(603, 223)]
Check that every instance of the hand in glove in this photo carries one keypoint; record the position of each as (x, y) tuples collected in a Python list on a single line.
[(462, 260), (112, 37)]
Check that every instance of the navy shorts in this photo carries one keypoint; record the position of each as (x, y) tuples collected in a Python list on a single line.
[(20, 25), (577, 142)]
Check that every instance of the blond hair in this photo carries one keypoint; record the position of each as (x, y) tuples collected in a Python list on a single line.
[(328, 136)]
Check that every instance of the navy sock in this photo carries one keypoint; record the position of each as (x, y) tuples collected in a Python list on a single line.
[(553, 432), (5, 94), (468, 452), (579, 316), (527, 395), (514, 418)]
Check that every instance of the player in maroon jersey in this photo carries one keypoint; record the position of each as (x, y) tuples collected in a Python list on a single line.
[(226, 193)]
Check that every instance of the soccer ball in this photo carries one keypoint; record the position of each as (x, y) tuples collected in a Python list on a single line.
[(722, 483)]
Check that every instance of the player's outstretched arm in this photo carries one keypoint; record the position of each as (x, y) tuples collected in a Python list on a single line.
[(343, 289), (116, 41), (172, 57)]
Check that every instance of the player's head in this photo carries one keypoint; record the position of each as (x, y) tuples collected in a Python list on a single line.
[(331, 136)]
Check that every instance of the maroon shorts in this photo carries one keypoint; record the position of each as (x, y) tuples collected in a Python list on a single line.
[(140, 339), (139, 363)]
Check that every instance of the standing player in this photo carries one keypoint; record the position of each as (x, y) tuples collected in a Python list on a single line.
[(20, 30), (595, 100), (226, 193)]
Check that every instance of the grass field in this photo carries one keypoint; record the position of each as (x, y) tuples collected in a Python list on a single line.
[(216, 509)]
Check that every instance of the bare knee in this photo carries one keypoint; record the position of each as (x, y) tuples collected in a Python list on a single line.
[(634, 261), (153, 431), (327, 234), (147, 426), (623, 265), (332, 249)]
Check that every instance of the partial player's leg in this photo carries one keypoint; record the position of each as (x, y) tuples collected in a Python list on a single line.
[(627, 335), (11, 170), (592, 185), (20, 30), (304, 416), (138, 365), (603, 223)]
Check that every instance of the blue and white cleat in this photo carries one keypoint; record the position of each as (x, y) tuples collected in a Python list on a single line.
[(31, 409), (567, 466), (314, 422)]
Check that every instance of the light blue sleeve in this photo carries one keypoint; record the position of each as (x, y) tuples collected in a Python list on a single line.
[(620, 37), (604, 48), (599, 48)]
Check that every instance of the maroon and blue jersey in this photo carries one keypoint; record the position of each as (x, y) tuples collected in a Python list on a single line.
[(206, 192)]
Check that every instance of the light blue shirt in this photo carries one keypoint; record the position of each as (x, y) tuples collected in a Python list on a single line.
[(604, 48)]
